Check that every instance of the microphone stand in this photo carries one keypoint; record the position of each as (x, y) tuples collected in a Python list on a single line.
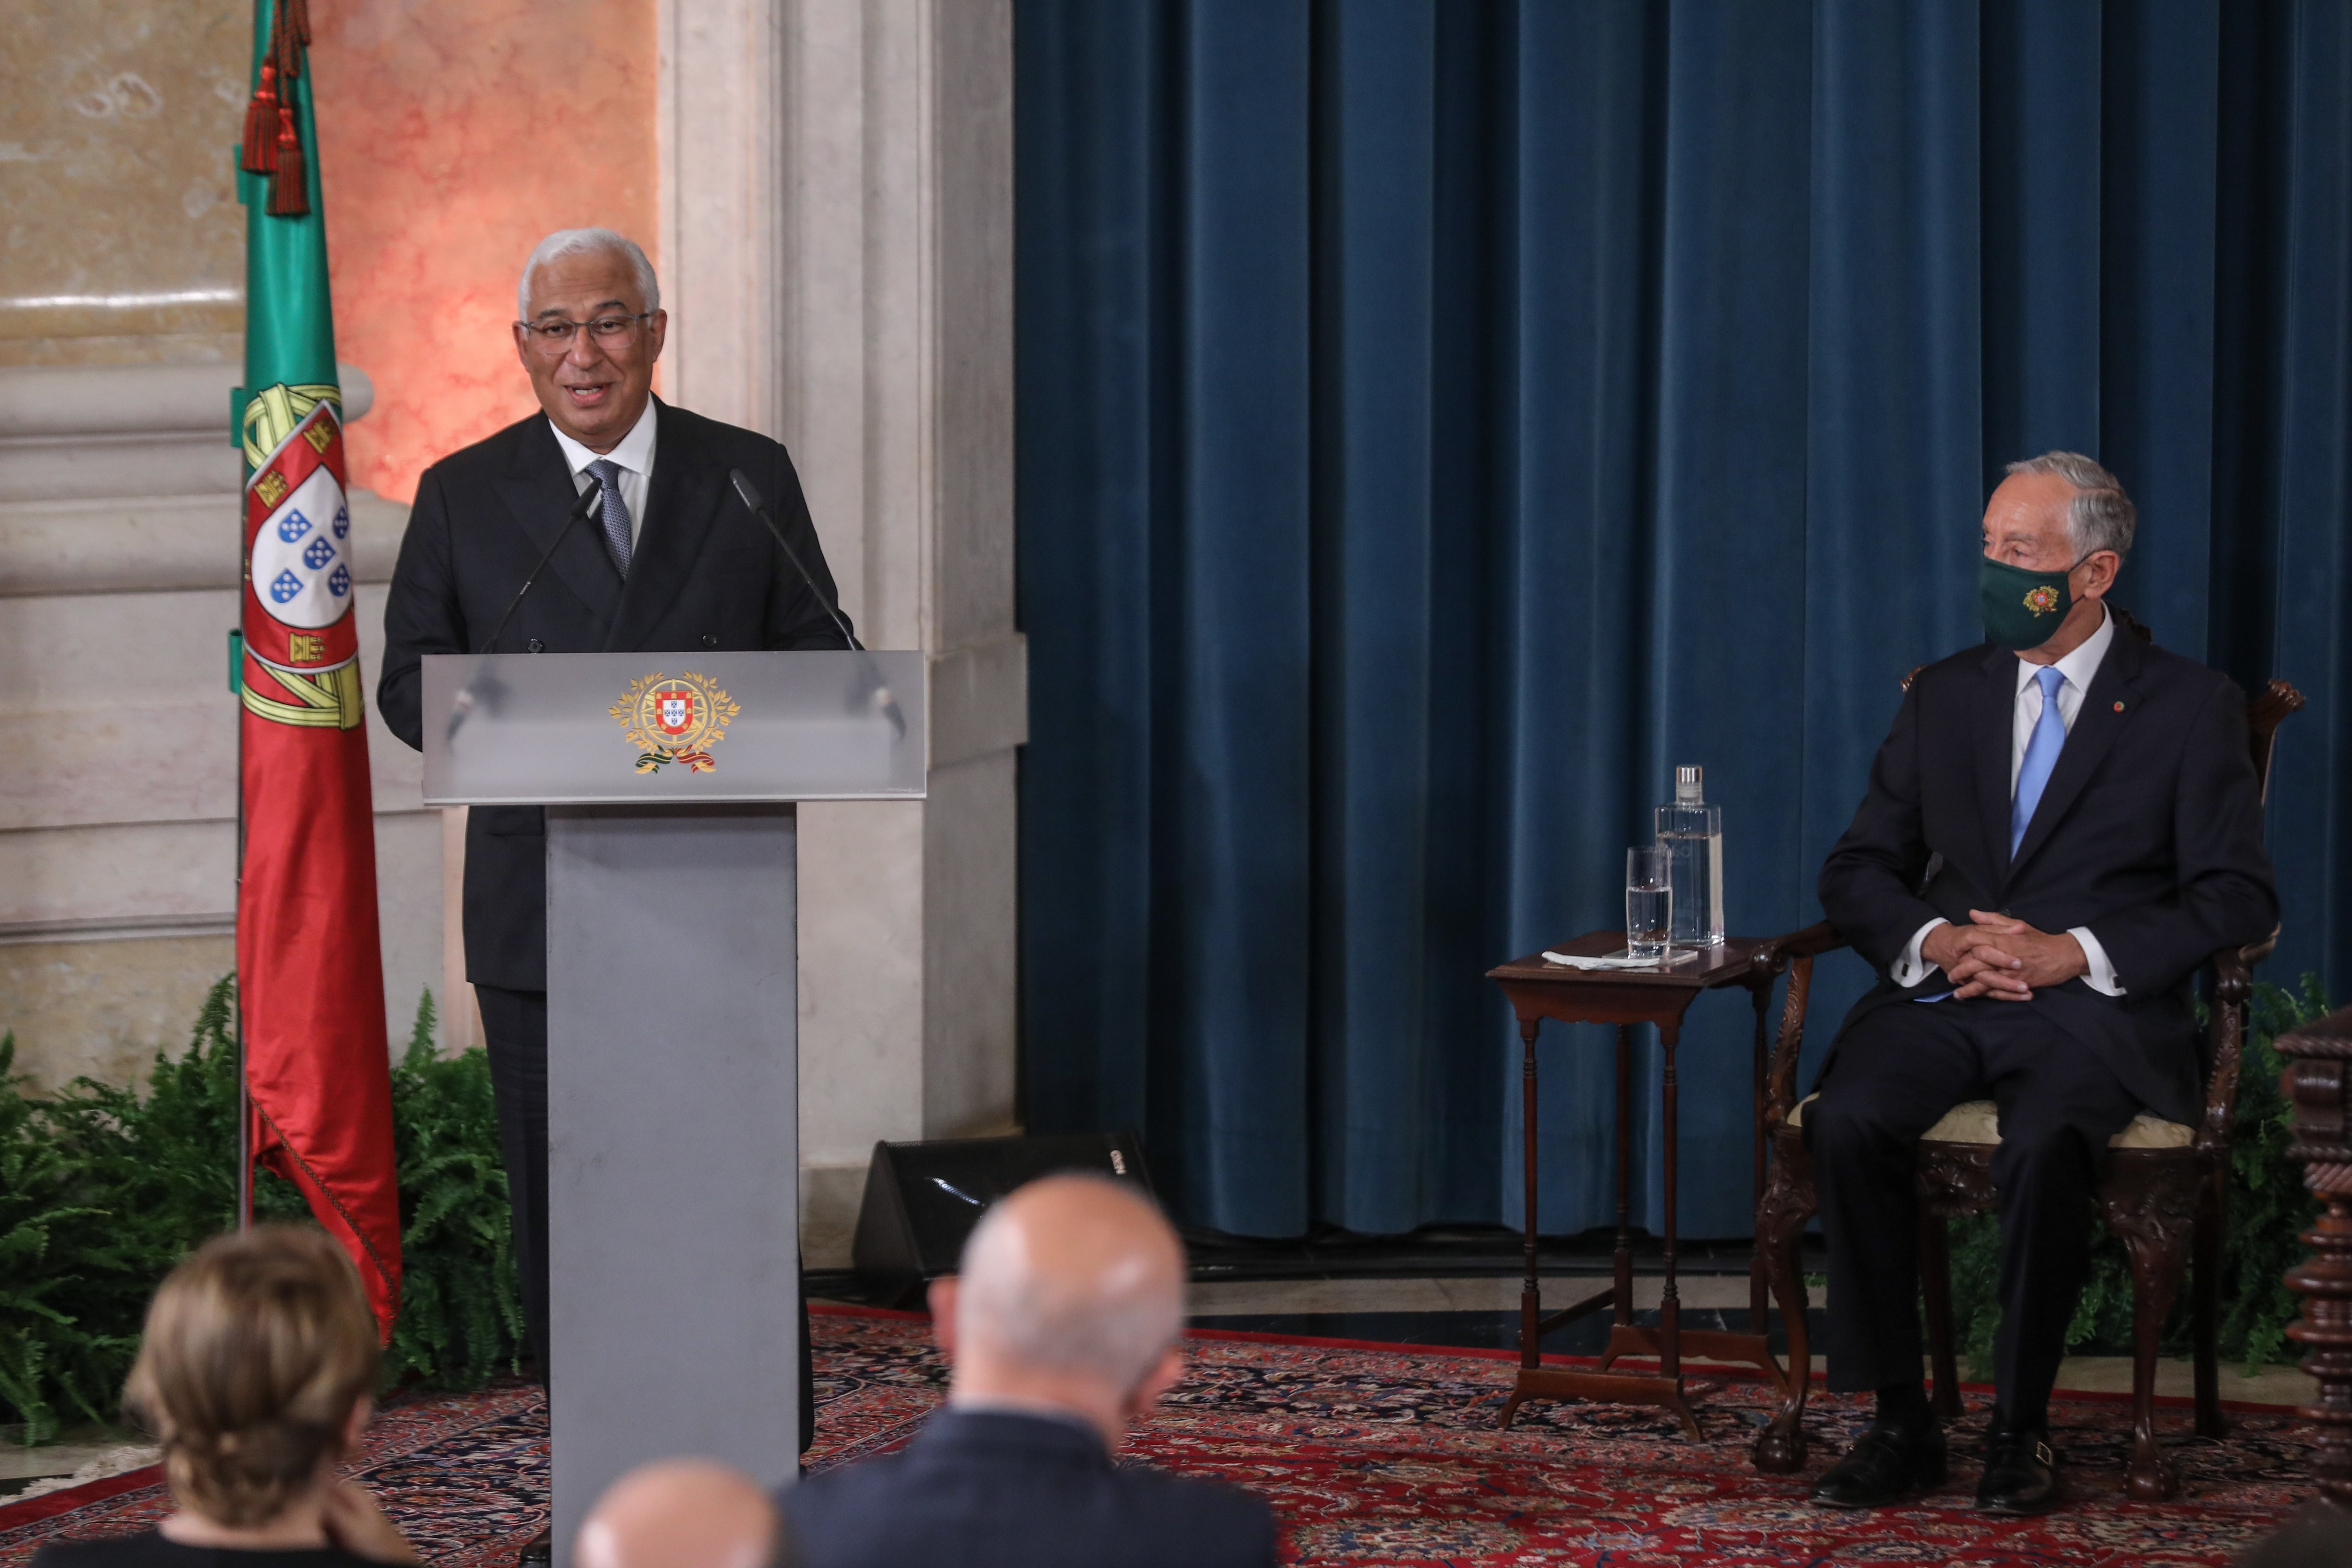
[(881, 696), (464, 704), (750, 499)]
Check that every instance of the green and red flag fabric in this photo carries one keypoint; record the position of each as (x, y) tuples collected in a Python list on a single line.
[(309, 965)]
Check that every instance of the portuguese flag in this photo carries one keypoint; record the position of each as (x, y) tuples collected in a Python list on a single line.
[(308, 968)]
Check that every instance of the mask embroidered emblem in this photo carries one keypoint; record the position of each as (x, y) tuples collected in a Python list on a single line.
[(2042, 600)]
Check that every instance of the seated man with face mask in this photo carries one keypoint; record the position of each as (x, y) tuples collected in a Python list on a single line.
[(2061, 826), (1062, 1330)]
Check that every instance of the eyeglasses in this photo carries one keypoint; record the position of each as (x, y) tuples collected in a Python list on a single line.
[(554, 336)]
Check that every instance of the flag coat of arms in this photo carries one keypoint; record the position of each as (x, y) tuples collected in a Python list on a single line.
[(309, 967)]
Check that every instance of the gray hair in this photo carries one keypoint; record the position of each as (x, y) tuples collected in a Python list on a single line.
[(2101, 516), (587, 242), (1118, 1330)]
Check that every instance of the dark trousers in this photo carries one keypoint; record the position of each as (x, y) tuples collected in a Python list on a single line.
[(514, 1026), (514, 1029), (1895, 1074)]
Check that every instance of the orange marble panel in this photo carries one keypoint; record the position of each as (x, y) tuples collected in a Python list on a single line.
[(453, 135)]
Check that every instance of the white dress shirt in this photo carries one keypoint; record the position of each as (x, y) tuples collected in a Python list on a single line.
[(2077, 668), (634, 457)]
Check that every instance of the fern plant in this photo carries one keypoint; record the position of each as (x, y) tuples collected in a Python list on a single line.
[(35, 1205), (104, 1189), (461, 1316), (2269, 1210)]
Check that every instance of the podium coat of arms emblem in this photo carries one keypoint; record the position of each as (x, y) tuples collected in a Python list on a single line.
[(675, 719)]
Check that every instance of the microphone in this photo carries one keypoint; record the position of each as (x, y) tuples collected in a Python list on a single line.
[(883, 702), (750, 499), (586, 504), (464, 705)]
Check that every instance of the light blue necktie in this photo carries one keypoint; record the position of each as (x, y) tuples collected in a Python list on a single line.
[(616, 513), (2041, 749)]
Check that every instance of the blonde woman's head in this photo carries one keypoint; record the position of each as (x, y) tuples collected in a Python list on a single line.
[(258, 1352)]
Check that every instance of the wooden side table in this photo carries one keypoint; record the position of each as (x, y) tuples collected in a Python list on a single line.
[(1540, 990)]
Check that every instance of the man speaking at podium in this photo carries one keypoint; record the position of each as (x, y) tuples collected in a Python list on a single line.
[(665, 558)]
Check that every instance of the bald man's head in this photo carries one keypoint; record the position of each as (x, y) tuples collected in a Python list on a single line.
[(1075, 1276), (682, 1513)]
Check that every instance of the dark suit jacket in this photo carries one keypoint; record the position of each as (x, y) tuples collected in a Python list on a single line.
[(980, 1490), (2149, 832), (704, 574)]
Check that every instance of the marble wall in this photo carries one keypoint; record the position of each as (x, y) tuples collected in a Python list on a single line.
[(453, 135), (120, 237), (119, 576)]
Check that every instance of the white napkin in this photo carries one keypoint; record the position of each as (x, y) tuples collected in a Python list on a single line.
[(1574, 961)]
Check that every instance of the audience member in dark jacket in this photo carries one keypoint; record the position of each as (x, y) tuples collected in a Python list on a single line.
[(1063, 1332)]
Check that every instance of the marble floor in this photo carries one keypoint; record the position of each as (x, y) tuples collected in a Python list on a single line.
[(1483, 1312), (87, 1453)]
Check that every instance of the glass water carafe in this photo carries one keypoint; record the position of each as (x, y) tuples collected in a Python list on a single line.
[(1692, 832)]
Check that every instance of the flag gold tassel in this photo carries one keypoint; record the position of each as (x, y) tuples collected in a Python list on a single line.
[(259, 153), (290, 194)]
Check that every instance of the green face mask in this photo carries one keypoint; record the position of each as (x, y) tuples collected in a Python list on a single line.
[(2021, 609)]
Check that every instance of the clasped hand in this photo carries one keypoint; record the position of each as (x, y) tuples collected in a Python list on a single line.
[(2000, 957)]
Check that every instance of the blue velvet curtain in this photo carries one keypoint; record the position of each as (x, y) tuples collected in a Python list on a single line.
[(1439, 419)]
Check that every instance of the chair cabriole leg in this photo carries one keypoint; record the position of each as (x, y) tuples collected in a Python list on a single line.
[(1787, 1203), (2154, 1209)]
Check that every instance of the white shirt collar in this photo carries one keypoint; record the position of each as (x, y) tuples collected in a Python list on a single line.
[(2078, 666), (636, 452)]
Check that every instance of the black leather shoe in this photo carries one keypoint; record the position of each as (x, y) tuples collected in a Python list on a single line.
[(538, 1552), (2020, 1472), (1885, 1465)]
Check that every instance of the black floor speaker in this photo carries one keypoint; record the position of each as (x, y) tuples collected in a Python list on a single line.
[(922, 1199)]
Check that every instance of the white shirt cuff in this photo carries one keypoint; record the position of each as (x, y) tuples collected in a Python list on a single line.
[(1910, 969), (2101, 976)]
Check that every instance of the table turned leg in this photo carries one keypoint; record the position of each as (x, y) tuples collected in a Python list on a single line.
[(1624, 1257), (1758, 1298), (1531, 1285), (2324, 1280), (2319, 1084), (1622, 1318), (1670, 1304)]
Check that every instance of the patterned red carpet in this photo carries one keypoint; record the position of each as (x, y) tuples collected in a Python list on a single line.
[(1377, 1456)]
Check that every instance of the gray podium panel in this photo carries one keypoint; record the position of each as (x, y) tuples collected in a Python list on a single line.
[(673, 1157), (527, 728)]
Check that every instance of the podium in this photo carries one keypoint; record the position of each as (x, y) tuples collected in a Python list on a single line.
[(672, 1011)]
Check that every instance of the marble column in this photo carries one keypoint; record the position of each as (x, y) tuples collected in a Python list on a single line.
[(836, 242)]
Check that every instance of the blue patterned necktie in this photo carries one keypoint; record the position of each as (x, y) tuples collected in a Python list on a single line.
[(2041, 749), (615, 512)]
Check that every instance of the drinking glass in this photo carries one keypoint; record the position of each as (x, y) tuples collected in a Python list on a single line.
[(1649, 901)]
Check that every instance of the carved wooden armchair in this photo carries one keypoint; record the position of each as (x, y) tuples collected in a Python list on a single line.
[(2162, 1191)]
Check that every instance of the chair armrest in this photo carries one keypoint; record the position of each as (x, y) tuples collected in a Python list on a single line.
[(2226, 1033), (1810, 943), (1794, 953)]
